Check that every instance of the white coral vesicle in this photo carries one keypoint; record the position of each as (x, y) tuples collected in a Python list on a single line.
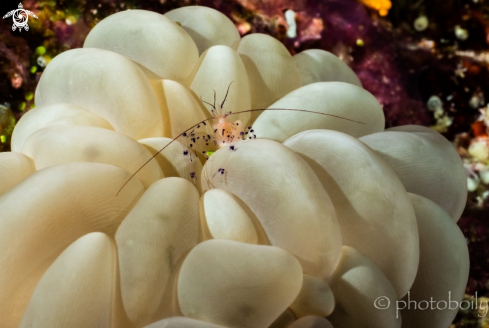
[(118, 208)]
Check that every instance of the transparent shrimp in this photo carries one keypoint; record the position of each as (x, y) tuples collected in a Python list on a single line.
[(224, 132)]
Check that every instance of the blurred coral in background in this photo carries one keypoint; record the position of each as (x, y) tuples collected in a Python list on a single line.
[(425, 61)]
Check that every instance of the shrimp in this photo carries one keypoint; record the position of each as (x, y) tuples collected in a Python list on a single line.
[(225, 131)]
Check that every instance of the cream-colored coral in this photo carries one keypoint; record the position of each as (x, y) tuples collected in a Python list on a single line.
[(311, 219)]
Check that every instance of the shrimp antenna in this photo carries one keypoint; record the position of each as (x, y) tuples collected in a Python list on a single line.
[(208, 103), (226, 115), (159, 151), (226, 96), (295, 110)]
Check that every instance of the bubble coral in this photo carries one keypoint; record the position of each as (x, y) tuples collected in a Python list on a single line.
[(316, 217)]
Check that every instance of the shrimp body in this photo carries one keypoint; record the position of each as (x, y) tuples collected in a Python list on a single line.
[(226, 132)]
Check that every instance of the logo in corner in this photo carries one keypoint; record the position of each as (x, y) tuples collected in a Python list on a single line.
[(20, 17)]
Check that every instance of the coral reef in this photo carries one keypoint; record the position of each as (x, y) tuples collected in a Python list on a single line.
[(425, 61), (255, 227)]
